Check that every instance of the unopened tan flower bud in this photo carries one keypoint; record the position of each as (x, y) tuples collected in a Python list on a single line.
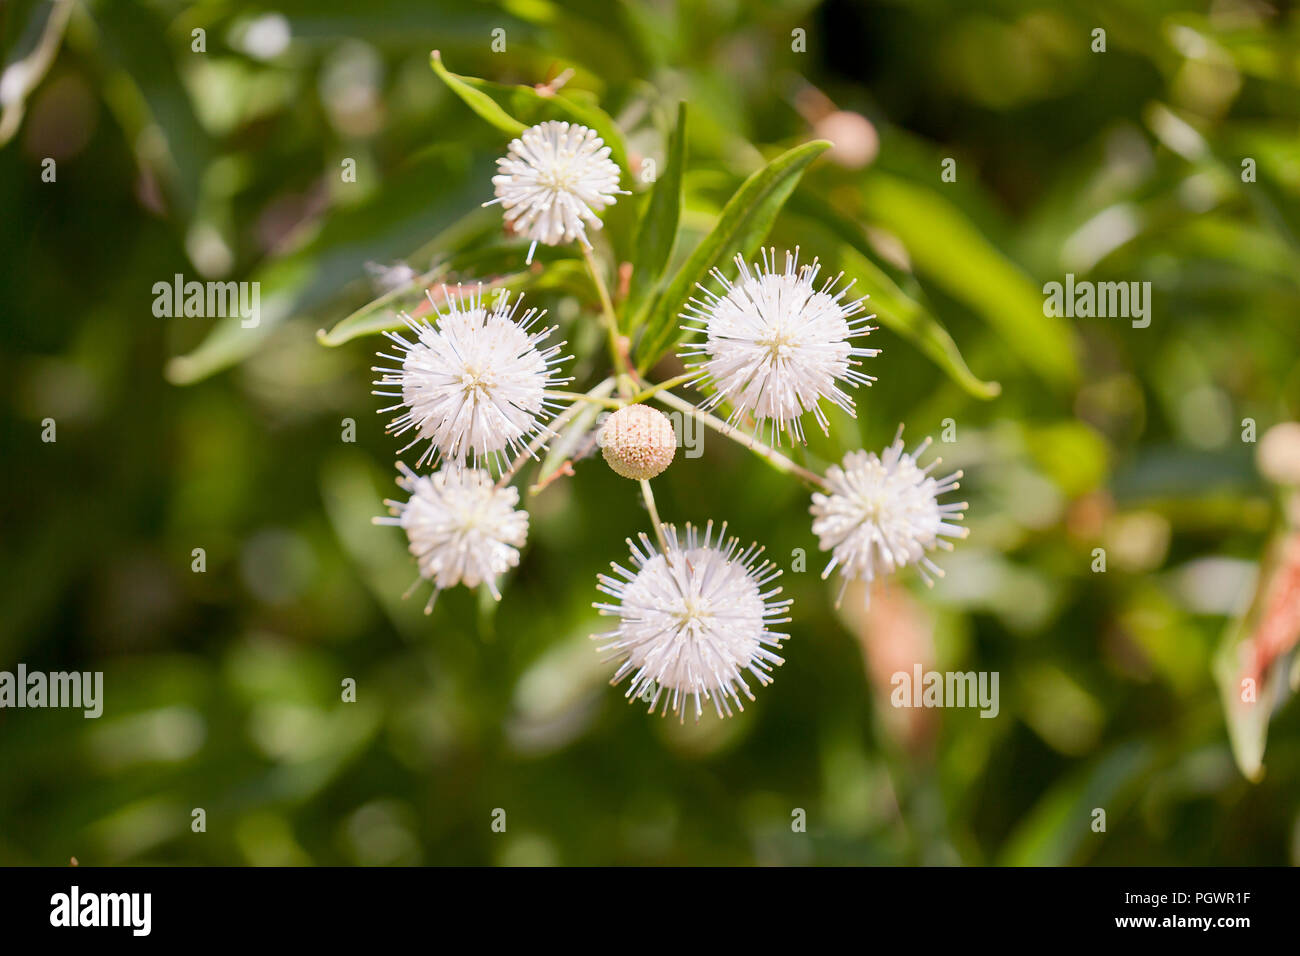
[(638, 442)]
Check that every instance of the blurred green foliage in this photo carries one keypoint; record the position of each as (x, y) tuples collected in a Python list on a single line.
[(223, 688)]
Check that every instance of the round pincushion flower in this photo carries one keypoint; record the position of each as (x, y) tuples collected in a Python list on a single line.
[(473, 384), (883, 513), (553, 180), (776, 345), (462, 529), (693, 620), (638, 442)]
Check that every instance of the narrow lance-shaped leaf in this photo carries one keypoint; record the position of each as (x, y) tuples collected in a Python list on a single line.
[(571, 433), (1250, 663), (410, 294), (428, 198), (385, 313), (657, 233), (741, 227), (513, 108), (476, 99), (950, 251), (841, 242)]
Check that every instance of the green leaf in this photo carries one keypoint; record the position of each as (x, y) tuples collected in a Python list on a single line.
[(512, 109), (741, 227), (134, 43), (384, 313), (658, 229), (1054, 832), (470, 90), (948, 250), (430, 197), (843, 245), (572, 429), (1248, 720), (39, 47)]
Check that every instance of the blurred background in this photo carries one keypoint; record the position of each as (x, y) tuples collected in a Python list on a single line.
[(222, 154)]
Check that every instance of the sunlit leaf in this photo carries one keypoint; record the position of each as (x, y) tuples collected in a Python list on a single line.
[(572, 432), (657, 232), (384, 313), (512, 109), (949, 251), (1249, 664), (471, 91), (843, 247), (741, 227), (34, 61)]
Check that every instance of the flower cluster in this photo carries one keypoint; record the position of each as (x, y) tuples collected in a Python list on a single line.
[(882, 512), (477, 386), (775, 345), (553, 181), (461, 527), (473, 383), (692, 619)]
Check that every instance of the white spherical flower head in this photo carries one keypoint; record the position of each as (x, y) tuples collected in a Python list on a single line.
[(553, 181), (776, 344), (638, 442), (473, 384), (883, 513), (462, 529), (693, 620)]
